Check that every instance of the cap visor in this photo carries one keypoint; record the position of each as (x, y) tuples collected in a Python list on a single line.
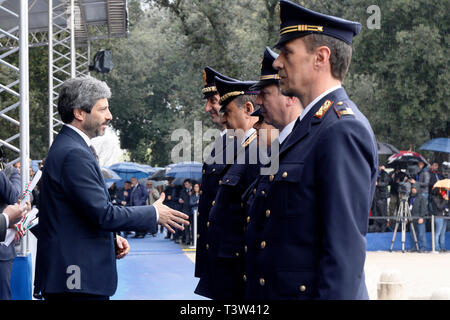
[(288, 37)]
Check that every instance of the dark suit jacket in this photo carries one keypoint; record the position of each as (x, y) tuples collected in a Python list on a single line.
[(9, 194), (77, 221), (2, 228), (138, 195), (305, 237), (9, 188)]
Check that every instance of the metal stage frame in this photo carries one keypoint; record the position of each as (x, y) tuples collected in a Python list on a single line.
[(67, 27)]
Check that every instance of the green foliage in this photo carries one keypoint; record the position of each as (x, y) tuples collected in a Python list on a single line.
[(398, 77)]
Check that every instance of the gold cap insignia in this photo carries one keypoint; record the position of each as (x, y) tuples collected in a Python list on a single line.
[(323, 109)]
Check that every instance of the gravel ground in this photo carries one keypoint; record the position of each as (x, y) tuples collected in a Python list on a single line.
[(423, 273)]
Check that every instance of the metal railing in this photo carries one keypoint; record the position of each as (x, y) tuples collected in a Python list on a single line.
[(432, 218)]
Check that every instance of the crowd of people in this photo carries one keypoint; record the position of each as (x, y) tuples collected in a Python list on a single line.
[(414, 186), (183, 198)]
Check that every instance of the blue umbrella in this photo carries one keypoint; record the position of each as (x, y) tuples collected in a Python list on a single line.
[(127, 170), (110, 175), (186, 170), (438, 145)]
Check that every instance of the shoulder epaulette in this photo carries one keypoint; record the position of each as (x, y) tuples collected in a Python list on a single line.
[(342, 109)]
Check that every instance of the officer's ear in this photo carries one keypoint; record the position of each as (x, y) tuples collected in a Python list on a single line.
[(249, 108)]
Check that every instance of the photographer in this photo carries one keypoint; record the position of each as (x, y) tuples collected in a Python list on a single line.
[(396, 178), (440, 208), (422, 178), (418, 207), (379, 205)]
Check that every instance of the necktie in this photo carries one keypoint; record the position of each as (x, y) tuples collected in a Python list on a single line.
[(94, 152)]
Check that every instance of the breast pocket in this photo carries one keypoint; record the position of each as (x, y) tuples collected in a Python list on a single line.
[(285, 187)]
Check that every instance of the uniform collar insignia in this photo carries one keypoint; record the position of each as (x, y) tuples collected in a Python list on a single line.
[(323, 109)]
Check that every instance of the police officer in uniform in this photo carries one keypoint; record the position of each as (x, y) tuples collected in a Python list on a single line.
[(225, 226), (308, 221), (212, 172)]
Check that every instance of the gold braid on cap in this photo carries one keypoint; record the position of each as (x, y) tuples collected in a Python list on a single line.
[(301, 27), (209, 89), (270, 76), (230, 94)]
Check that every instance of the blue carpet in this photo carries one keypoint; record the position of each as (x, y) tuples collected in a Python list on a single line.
[(155, 269)]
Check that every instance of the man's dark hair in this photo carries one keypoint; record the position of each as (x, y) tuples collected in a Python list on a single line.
[(187, 180), (340, 56), (80, 93)]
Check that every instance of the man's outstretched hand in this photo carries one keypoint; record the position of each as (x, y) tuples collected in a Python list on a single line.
[(169, 217)]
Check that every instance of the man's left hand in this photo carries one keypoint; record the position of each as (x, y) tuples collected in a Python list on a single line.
[(122, 247)]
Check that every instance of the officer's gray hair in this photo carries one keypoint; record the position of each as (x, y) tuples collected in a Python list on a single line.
[(80, 93), (242, 100), (340, 56)]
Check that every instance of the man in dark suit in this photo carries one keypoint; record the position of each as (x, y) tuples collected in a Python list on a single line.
[(308, 221), (138, 197), (184, 201), (9, 194), (76, 255)]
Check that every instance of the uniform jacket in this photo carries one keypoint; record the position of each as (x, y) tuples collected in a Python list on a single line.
[(77, 221), (225, 229), (212, 172), (305, 237)]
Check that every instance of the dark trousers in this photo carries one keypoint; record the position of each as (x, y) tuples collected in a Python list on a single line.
[(71, 296), (5, 278)]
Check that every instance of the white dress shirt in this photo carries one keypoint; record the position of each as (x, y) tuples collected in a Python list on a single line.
[(288, 129)]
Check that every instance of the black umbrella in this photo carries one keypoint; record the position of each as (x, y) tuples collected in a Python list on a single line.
[(159, 175), (386, 148)]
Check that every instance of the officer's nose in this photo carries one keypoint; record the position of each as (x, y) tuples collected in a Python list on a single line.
[(277, 63)]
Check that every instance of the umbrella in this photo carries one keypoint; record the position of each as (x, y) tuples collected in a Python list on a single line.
[(186, 170), (445, 184), (438, 145), (159, 175), (404, 158), (110, 175), (127, 170), (386, 148)]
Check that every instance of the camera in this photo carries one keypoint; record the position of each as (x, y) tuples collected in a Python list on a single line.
[(404, 189)]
